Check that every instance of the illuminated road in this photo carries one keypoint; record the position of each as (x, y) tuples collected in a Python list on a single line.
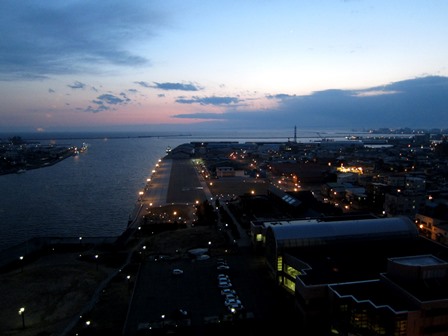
[(173, 182), (156, 190)]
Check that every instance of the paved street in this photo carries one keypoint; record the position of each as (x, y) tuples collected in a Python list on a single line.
[(158, 293)]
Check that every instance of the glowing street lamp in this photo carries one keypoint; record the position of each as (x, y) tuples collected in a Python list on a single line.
[(129, 282), (96, 261), (22, 313)]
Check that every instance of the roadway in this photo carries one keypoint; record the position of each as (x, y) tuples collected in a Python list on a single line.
[(173, 182), (158, 292)]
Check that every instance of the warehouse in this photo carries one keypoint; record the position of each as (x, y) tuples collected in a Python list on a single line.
[(367, 276)]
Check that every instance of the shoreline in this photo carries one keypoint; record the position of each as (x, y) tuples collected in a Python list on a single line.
[(107, 263), (45, 164)]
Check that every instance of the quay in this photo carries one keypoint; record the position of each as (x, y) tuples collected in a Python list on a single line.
[(173, 182), (78, 275)]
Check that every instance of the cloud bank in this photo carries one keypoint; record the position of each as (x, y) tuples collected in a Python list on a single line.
[(209, 100), (42, 38), (170, 86), (419, 103)]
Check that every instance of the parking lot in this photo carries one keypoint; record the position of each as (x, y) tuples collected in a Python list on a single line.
[(160, 298), (159, 295)]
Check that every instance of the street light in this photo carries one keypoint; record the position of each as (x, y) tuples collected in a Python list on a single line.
[(22, 313), (96, 261), (129, 282)]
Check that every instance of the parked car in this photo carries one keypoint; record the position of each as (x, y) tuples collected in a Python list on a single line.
[(177, 271), (229, 297), (235, 307), (223, 267), (224, 284), (227, 291), (232, 302)]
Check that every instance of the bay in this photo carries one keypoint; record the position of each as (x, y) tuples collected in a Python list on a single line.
[(93, 194)]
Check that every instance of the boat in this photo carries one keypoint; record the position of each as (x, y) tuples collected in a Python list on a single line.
[(81, 149)]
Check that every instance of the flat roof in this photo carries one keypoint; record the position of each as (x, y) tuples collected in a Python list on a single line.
[(359, 260), (306, 229), (421, 260)]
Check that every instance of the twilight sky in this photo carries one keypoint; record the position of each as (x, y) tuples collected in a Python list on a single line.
[(149, 65)]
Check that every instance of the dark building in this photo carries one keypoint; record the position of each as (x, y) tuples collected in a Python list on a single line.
[(360, 277)]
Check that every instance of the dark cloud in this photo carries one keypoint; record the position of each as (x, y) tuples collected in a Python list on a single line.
[(170, 86), (203, 115), (144, 84), (419, 103), (209, 100), (39, 38), (103, 102), (176, 86), (97, 109), (111, 99), (280, 96), (77, 85)]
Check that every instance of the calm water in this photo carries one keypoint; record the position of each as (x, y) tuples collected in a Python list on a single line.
[(92, 194)]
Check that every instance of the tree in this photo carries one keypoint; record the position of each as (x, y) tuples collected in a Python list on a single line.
[(16, 140)]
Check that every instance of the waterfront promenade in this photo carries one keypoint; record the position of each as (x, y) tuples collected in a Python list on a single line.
[(175, 184)]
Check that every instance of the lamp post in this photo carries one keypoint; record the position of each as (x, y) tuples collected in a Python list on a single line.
[(22, 313), (21, 263), (96, 261)]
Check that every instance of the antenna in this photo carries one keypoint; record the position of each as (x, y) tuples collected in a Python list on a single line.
[(295, 133)]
